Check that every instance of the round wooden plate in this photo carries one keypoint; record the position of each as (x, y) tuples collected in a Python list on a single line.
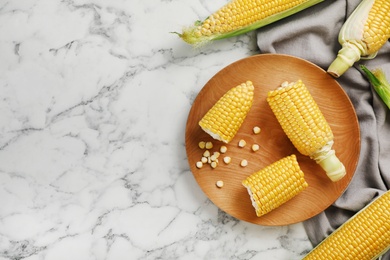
[(267, 72)]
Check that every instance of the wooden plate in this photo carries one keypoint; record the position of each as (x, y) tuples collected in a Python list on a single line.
[(267, 72)]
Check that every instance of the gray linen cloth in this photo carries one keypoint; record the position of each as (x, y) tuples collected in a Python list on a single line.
[(312, 35)]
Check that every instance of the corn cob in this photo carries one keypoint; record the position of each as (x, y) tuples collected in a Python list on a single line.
[(241, 16), (305, 126), (366, 30), (379, 82), (364, 236), (275, 184), (223, 120)]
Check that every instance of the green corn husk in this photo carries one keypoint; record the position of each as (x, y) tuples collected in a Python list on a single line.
[(273, 11), (379, 82)]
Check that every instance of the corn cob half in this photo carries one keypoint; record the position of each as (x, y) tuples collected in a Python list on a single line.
[(305, 126), (275, 184), (223, 120), (241, 16), (365, 236), (366, 30)]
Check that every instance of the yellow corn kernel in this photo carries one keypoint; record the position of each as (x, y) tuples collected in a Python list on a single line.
[(366, 30), (199, 164), (209, 145), (244, 163), (219, 184), (227, 159), (241, 143), (275, 184), (216, 154), (365, 236), (305, 126), (256, 130), (214, 164), (241, 16), (255, 147), (225, 118)]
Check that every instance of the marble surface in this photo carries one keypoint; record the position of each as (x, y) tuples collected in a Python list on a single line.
[(94, 100)]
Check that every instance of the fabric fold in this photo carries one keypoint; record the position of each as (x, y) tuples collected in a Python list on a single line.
[(313, 35)]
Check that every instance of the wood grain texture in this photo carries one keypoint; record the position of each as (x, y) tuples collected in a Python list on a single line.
[(267, 72)]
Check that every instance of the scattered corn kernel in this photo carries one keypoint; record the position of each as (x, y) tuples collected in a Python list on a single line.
[(199, 164), (227, 159), (255, 147), (244, 163), (211, 158), (209, 145), (213, 165), (219, 184), (241, 143), (256, 130), (202, 144)]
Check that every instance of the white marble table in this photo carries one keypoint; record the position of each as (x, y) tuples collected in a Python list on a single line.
[(94, 98)]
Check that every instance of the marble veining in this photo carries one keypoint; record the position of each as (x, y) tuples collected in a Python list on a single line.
[(94, 98)]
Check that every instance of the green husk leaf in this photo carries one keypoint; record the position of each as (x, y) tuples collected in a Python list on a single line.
[(379, 82)]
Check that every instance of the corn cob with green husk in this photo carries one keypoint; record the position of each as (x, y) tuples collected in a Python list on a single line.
[(226, 116), (241, 16), (365, 236), (366, 30), (379, 83), (275, 184), (305, 126)]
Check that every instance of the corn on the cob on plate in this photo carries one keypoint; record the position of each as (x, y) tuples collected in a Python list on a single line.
[(365, 236), (241, 16), (275, 184), (305, 125), (223, 120), (366, 30)]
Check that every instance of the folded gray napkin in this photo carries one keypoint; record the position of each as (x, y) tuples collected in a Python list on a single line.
[(312, 35)]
